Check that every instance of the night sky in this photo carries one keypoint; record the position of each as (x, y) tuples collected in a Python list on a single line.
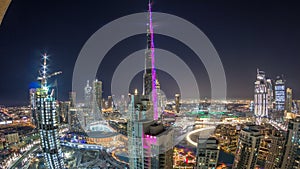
[(247, 35)]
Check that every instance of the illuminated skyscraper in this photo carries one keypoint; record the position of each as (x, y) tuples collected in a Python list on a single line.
[(289, 100), (72, 98), (48, 121), (63, 111), (177, 103), (279, 93), (207, 153), (292, 147), (32, 95), (87, 94), (97, 100), (149, 79), (247, 148), (276, 151), (261, 95), (150, 145), (109, 102), (97, 91)]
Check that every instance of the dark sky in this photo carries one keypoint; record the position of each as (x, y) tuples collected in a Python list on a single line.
[(246, 34)]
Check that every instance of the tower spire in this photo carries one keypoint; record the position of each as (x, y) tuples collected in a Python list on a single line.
[(149, 79)]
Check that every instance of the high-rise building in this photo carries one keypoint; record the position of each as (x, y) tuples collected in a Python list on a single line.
[(160, 98), (289, 100), (109, 102), (32, 95), (150, 144), (270, 95), (97, 100), (292, 147), (97, 92), (247, 148), (207, 153), (149, 77), (276, 150), (177, 103), (63, 111), (261, 98), (72, 98), (279, 93), (48, 122), (87, 94)]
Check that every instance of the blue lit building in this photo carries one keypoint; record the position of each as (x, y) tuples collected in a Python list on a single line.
[(280, 94), (48, 122)]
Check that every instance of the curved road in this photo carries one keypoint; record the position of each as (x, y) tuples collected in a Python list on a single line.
[(188, 136)]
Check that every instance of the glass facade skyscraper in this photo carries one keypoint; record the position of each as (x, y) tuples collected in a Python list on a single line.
[(48, 122), (279, 94), (261, 100)]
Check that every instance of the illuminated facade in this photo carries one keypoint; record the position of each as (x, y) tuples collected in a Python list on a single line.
[(247, 148), (109, 102), (292, 147), (279, 94), (48, 122), (177, 103), (150, 145), (88, 94), (261, 95), (149, 78), (97, 100), (276, 150), (72, 98), (207, 153), (289, 100), (32, 95)]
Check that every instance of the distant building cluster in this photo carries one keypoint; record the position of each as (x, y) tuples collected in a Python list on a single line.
[(271, 97)]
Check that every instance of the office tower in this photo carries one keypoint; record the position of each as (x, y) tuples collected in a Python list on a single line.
[(72, 98), (289, 100), (276, 150), (160, 98), (251, 106), (261, 102), (177, 103), (279, 93), (150, 144), (63, 111), (48, 122), (97, 101), (207, 153), (292, 147), (97, 93), (109, 102), (32, 97), (270, 95), (247, 148), (87, 94)]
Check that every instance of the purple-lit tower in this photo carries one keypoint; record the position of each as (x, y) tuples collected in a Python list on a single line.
[(150, 144), (149, 79)]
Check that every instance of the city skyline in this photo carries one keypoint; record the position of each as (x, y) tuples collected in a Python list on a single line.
[(246, 36)]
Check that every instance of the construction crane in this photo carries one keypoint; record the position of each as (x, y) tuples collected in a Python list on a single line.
[(43, 72)]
